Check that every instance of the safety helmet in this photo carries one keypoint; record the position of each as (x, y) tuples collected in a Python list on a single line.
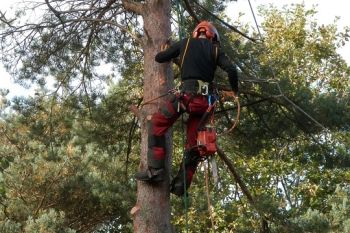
[(210, 31)]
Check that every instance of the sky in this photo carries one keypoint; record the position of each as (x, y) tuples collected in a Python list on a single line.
[(327, 11)]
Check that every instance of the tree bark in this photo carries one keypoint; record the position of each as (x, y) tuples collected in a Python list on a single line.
[(152, 211)]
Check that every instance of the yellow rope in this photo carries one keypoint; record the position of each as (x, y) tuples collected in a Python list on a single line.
[(183, 56)]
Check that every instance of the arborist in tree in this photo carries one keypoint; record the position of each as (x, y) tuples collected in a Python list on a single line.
[(199, 57)]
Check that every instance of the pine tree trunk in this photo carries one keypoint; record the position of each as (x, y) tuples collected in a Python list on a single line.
[(152, 213)]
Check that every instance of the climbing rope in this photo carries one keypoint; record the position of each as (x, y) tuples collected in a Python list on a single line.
[(171, 91), (179, 10), (210, 208), (255, 20), (185, 197), (224, 23), (181, 31), (236, 120)]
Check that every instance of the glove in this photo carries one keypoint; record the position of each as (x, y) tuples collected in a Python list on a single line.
[(164, 47)]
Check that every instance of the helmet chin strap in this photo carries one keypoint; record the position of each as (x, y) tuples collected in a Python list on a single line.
[(202, 35)]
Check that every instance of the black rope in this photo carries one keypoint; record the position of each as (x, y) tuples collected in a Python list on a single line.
[(190, 11), (256, 22)]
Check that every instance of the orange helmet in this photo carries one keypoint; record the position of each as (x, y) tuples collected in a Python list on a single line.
[(210, 31)]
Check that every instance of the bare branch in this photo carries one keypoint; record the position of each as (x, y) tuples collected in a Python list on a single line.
[(56, 13), (133, 6), (113, 23), (5, 20), (190, 11), (244, 188)]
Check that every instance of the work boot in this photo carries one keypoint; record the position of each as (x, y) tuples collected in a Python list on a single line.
[(151, 175), (177, 187), (190, 162)]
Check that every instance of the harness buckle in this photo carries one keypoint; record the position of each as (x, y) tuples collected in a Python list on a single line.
[(203, 87), (195, 86)]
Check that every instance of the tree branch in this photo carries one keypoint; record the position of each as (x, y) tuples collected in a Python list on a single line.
[(136, 7), (244, 188), (6, 21), (56, 13), (137, 38), (190, 11)]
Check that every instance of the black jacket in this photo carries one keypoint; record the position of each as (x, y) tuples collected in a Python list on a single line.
[(199, 61)]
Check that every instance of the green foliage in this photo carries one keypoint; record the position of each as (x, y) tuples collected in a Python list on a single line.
[(339, 214), (8, 226), (290, 164), (48, 222), (313, 221), (61, 159)]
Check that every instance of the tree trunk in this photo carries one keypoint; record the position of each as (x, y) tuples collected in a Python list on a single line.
[(152, 211)]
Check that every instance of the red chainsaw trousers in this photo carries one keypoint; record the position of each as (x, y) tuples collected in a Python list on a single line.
[(161, 121)]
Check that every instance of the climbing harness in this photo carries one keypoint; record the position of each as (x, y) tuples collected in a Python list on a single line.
[(206, 139), (195, 86)]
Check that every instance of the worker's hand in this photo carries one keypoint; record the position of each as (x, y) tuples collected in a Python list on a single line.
[(229, 94), (164, 47), (234, 94)]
